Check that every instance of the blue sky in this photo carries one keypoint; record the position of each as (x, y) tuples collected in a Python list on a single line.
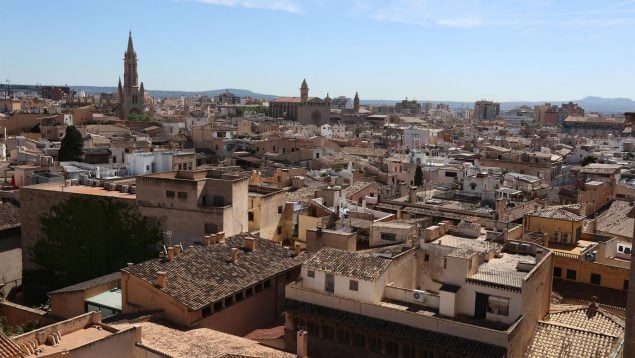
[(385, 49)]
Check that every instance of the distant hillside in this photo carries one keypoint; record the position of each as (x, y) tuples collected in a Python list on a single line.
[(164, 93), (589, 103)]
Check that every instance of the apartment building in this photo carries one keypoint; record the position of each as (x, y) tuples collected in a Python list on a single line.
[(453, 296), (192, 204)]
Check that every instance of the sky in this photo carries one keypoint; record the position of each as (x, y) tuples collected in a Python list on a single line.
[(460, 50)]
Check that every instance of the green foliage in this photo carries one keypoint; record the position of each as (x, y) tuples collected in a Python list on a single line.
[(86, 237), (11, 330), (135, 117), (72, 146), (588, 160), (258, 109), (418, 180)]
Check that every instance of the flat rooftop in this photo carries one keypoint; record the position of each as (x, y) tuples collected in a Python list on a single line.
[(479, 244), (83, 189), (73, 340)]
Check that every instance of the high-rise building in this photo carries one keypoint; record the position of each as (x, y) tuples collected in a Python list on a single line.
[(486, 110), (131, 94)]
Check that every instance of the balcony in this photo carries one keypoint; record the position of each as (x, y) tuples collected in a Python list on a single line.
[(422, 318)]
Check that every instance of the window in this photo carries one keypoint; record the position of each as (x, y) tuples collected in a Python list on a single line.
[(445, 262), (169, 194), (388, 236), (310, 273), (250, 216), (498, 305), (211, 228), (625, 287), (596, 278), (571, 275), (557, 271), (279, 230), (182, 195), (426, 258), (353, 285), (279, 209)]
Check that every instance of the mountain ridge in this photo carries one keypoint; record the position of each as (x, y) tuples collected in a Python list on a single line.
[(589, 103)]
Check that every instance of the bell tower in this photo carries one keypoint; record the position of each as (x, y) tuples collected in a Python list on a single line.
[(304, 91)]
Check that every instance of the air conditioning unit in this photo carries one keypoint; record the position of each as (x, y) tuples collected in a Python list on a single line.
[(419, 296)]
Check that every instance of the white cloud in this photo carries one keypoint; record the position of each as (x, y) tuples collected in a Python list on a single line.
[(276, 5)]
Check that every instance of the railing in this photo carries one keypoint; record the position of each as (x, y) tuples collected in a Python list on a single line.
[(567, 255), (433, 323)]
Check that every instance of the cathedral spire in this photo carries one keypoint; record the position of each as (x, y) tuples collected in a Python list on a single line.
[(356, 102), (130, 46)]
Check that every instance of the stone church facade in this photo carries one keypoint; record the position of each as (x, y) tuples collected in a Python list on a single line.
[(131, 93), (304, 109)]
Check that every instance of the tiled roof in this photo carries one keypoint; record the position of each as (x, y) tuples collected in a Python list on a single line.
[(204, 274), (375, 152), (557, 213), (596, 168), (508, 280), (601, 322), (362, 266), (453, 345), (569, 332), (8, 349), (98, 281), (355, 188), (555, 341), (615, 220), (287, 99), (201, 342)]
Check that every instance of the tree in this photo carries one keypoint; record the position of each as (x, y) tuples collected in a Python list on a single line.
[(135, 117), (588, 160), (72, 145), (87, 237), (418, 180)]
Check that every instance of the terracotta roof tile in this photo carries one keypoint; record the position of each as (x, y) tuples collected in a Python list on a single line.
[(205, 274), (8, 349), (357, 265), (557, 213)]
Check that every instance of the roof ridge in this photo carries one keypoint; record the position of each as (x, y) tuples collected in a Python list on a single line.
[(580, 329)]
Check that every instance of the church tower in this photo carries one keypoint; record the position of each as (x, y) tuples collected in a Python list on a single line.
[(304, 91), (131, 95), (356, 103)]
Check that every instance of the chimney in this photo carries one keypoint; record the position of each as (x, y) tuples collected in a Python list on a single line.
[(234, 254), (177, 250), (250, 243), (302, 348), (412, 195), (208, 240), (297, 249), (399, 214), (162, 279), (220, 237), (129, 264), (170, 253)]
